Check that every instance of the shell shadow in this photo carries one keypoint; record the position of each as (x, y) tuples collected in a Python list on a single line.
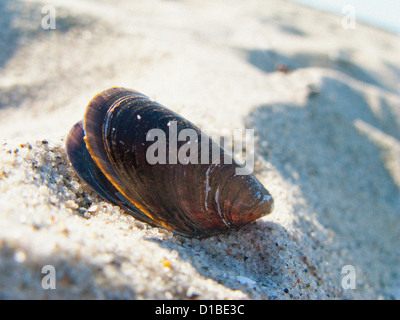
[(245, 259), (339, 170)]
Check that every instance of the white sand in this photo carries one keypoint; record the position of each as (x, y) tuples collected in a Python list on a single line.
[(327, 148)]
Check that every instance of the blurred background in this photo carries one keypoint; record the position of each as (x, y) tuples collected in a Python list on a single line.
[(163, 48), (383, 14)]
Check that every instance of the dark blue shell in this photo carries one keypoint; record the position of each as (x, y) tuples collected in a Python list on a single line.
[(108, 151)]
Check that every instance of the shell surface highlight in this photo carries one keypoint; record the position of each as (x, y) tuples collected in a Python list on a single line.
[(109, 150)]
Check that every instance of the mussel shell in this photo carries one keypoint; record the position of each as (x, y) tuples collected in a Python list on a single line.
[(108, 151)]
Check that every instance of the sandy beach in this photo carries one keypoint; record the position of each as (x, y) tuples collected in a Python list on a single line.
[(324, 103)]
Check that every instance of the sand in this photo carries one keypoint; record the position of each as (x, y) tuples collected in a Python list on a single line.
[(324, 105)]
